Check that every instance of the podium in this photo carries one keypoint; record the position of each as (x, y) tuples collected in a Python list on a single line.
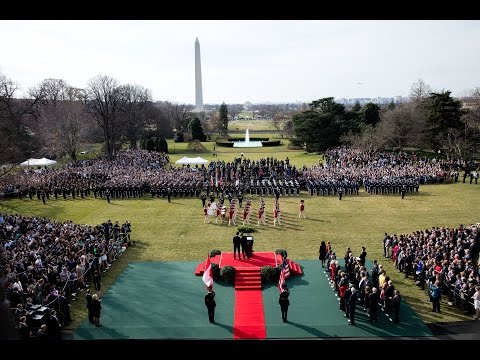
[(250, 241)]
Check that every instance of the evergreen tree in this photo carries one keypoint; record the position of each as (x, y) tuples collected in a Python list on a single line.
[(371, 114), (196, 129), (444, 115), (224, 119)]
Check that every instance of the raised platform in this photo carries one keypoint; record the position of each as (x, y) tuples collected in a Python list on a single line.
[(256, 261)]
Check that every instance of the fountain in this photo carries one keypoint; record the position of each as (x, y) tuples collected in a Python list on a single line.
[(247, 143)]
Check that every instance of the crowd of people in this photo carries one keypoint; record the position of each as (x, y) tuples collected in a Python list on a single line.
[(442, 260), (45, 264), (358, 287), (132, 173)]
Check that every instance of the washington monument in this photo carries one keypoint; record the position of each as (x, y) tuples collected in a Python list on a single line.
[(198, 78)]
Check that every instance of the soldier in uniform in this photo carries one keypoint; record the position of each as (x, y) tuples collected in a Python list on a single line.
[(210, 304), (284, 302)]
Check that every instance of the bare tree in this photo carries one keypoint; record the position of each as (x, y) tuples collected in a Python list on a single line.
[(369, 139), (103, 103), (215, 124), (420, 91), (280, 121), (18, 125), (403, 126), (178, 115), (62, 113), (134, 110), (70, 126), (234, 110)]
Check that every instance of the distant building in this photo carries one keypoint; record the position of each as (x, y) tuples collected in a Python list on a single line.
[(375, 100)]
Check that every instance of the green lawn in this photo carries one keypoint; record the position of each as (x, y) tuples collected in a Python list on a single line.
[(251, 124), (298, 158), (176, 232)]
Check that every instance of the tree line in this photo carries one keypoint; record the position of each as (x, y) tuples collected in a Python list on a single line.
[(432, 120), (55, 119)]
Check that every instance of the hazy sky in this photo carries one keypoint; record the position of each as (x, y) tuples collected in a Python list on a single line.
[(256, 61)]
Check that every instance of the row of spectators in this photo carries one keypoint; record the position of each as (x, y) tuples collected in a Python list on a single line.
[(445, 260), (355, 285), (45, 263), (131, 173)]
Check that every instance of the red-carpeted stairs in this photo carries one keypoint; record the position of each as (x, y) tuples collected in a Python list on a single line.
[(248, 279), (249, 319)]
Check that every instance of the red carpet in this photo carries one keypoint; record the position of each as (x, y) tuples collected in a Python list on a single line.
[(249, 319)]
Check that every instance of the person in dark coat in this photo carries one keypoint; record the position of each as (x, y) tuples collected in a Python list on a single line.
[(396, 307), (23, 330), (389, 294), (346, 296), (284, 302), (236, 246), (374, 299), (352, 302), (243, 242), (210, 304), (88, 299), (53, 325), (96, 309), (322, 253)]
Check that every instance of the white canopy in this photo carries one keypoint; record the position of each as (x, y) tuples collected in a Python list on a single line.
[(186, 160), (38, 162)]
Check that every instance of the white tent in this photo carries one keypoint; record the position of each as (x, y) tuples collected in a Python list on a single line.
[(38, 162), (186, 160)]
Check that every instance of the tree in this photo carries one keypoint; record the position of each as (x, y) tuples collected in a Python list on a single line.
[(234, 109), (18, 124), (402, 126), (444, 115), (62, 112), (135, 99), (103, 103), (320, 127), (315, 131), (371, 114), (391, 106), (223, 112), (71, 126), (196, 129), (370, 138), (327, 106), (419, 91), (278, 121), (214, 123), (357, 107), (178, 115)]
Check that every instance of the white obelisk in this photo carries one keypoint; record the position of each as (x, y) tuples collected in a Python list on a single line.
[(198, 78)]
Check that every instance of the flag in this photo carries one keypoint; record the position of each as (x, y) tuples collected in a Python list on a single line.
[(285, 268), (281, 280), (207, 274)]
